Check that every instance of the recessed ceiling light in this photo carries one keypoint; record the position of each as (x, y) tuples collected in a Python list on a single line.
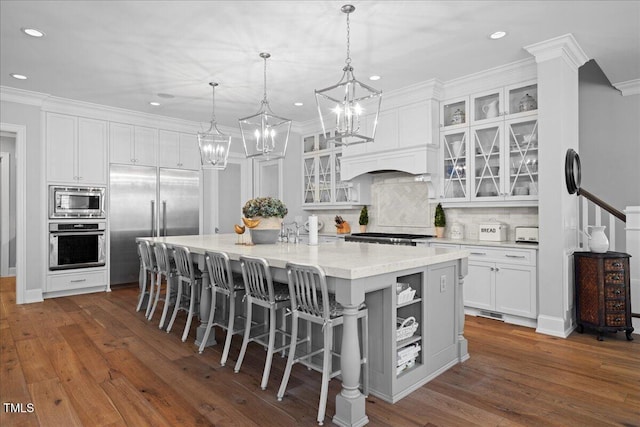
[(154, 103), (497, 35), (18, 76), (33, 32), (298, 104), (374, 78)]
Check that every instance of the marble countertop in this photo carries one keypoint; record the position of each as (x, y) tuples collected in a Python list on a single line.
[(505, 244), (348, 260)]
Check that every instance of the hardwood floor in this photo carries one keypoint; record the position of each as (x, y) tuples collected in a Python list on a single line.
[(92, 360)]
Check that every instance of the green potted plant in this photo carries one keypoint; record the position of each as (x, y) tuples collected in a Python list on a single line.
[(364, 219), (263, 216), (440, 221)]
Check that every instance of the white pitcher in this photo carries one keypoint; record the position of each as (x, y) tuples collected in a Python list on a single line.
[(490, 109), (598, 241)]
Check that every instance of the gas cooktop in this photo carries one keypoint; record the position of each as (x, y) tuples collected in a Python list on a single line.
[(386, 238)]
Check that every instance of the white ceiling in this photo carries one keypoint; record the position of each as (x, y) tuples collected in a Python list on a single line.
[(124, 53)]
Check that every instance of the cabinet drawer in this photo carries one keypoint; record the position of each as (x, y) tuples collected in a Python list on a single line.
[(65, 282), (617, 319), (614, 291), (614, 264), (614, 277), (613, 306), (512, 256)]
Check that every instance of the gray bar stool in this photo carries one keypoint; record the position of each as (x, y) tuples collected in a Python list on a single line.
[(192, 278), (222, 282), (261, 291), (166, 267), (147, 270), (311, 301)]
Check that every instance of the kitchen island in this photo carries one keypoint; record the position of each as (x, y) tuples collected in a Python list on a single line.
[(359, 272)]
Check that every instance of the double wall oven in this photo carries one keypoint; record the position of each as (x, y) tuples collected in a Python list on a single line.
[(77, 231)]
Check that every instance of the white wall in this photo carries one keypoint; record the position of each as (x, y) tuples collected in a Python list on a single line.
[(29, 116), (609, 142)]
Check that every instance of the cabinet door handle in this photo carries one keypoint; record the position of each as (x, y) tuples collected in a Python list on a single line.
[(617, 292), (491, 269), (617, 264), (616, 277), (478, 253), (515, 256), (78, 280)]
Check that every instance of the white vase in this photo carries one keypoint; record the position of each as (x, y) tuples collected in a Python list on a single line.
[(598, 241)]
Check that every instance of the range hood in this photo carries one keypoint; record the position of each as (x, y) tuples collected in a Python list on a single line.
[(414, 161)]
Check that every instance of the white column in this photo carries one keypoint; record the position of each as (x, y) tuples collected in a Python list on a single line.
[(558, 61), (633, 249)]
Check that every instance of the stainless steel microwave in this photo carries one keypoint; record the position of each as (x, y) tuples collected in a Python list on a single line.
[(76, 202)]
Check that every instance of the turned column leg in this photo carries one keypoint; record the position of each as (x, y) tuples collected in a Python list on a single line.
[(205, 306), (350, 403)]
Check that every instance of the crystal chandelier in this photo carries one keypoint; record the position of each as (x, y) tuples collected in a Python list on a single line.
[(264, 134), (214, 145), (344, 107)]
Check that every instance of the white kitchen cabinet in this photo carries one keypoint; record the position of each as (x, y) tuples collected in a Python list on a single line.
[(501, 281), (406, 139), (76, 149), (178, 150), (455, 164), (135, 145), (454, 113), (495, 158), (323, 186), (60, 282)]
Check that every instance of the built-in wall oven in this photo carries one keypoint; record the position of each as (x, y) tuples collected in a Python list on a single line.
[(76, 202), (77, 245)]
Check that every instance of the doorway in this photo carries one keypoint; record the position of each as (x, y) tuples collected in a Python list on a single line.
[(18, 135), (226, 192), (7, 204)]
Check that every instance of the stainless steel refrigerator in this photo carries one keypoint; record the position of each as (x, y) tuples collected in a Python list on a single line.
[(147, 201)]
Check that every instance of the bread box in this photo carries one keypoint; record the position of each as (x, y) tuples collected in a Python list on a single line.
[(493, 232)]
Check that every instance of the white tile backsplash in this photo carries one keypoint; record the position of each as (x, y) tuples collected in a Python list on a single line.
[(400, 204), (472, 217)]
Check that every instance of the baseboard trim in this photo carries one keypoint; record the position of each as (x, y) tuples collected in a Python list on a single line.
[(33, 295), (554, 326)]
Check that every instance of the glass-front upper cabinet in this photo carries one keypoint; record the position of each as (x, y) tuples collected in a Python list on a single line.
[(486, 153), (522, 99), (455, 185), (317, 142), (487, 106), (522, 158), (322, 172), (309, 179), (453, 113)]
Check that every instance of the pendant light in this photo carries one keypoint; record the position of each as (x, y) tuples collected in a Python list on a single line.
[(264, 134), (345, 106), (214, 145)]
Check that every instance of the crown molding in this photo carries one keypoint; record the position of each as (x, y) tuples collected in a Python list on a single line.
[(502, 75), (21, 96), (564, 46), (630, 87)]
